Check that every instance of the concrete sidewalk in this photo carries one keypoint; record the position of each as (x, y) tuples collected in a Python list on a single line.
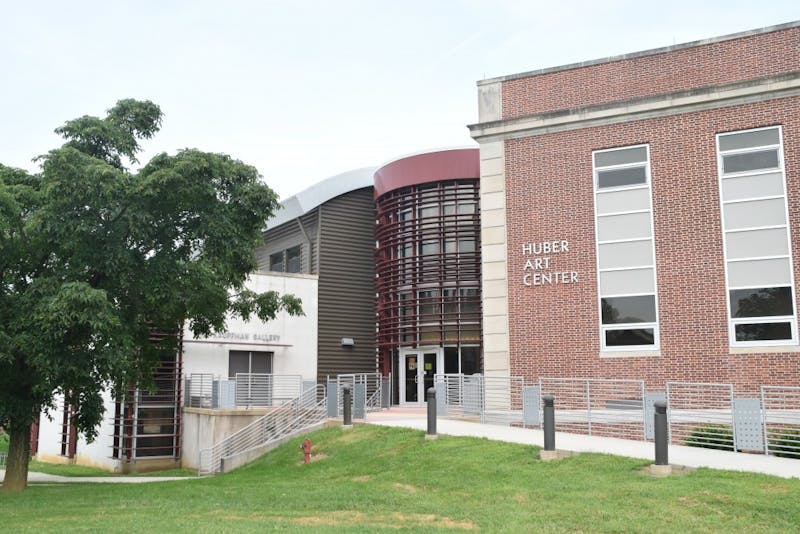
[(34, 477), (679, 455)]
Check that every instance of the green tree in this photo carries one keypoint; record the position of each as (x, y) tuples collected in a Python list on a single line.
[(94, 257)]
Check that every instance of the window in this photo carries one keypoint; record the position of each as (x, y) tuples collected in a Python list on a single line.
[(294, 260), (287, 261), (276, 262), (758, 260), (625, 252), (241, 361)]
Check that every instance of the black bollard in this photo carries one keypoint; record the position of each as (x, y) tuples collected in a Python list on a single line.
[(347, 407), (430, 397), (661, 433), (549, 423)]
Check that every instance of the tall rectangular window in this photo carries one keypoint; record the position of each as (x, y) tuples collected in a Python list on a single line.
[(755, 227), (625, 252)]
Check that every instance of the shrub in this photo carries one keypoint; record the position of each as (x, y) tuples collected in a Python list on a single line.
[(711, 436), (784, 442)]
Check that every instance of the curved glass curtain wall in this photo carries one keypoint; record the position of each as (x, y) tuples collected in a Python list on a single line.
[(428, 268)]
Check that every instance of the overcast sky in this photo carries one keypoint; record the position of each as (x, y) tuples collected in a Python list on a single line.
[(307, 89)]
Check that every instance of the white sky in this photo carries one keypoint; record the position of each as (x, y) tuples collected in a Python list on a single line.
[(304, 90)]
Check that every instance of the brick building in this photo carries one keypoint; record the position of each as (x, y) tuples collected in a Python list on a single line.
[(638, 215)]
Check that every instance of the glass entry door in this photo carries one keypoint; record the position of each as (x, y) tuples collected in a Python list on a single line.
[(417, 370)]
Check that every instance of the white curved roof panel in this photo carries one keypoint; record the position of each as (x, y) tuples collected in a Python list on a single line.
[(321, 192)]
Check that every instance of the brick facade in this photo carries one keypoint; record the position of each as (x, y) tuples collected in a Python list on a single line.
[(672, 70), (554, 330)]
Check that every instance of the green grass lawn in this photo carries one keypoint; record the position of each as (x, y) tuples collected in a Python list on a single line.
[(372, 479)]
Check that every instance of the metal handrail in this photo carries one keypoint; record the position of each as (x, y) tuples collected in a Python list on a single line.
[(294, 415)]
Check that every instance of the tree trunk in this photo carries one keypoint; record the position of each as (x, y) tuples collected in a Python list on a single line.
[(19, 454)]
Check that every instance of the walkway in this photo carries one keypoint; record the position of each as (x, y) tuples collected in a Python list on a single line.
[(34, 477), (678, 454)]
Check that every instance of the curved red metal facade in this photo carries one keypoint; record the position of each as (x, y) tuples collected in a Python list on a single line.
[(453, 164), (428, 257)]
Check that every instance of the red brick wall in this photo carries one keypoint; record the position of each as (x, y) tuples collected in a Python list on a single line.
[(712, 64), (554, 330)]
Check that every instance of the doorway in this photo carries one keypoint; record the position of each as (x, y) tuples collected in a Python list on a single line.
[(417, 370)]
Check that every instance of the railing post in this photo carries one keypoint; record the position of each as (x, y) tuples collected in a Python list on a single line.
[(430, 398), (549, 423), (347, 407), (661, 434), (549, 452)]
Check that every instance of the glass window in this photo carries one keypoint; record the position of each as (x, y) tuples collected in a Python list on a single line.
[(638, 309), (625, 251), (764, 332), (751, 139), (276, 262), (428, 247), (429, 305), (750, 161), (621, 177), (757, 241), (470, 360), (761, 302), (620, 156), (294, 260), (451, 360), (630, 337)]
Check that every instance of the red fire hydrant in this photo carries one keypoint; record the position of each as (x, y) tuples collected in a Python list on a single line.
[(306, 446)]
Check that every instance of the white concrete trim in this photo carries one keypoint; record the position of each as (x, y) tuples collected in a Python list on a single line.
[(630, 110), (643, 53), (494, 254)]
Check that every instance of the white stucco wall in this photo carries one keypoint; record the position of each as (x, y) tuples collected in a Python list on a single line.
[(293, 340), (97, 454)]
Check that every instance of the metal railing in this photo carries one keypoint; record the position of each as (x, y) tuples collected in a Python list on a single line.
[(246, 390), (781, 408), (367, 392), (256, 389), (699, 414), (598, 406), (291, 417)]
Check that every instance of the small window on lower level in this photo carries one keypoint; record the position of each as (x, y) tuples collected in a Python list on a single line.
[(294, 260)]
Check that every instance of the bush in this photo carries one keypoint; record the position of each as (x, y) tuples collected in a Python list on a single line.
[(711, 436), (785, 442)]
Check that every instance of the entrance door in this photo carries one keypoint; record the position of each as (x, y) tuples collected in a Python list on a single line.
[(417, 370)]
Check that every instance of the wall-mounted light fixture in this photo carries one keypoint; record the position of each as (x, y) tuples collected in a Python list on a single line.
[(348, 342)]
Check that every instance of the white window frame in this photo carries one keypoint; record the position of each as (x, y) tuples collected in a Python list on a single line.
[(600, 296), (721, 176)]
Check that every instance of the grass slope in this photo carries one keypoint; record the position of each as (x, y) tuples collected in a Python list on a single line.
[(373, 479)]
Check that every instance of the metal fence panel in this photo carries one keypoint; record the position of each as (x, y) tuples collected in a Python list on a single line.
[(747, 421), (360, 400), (598, 406), (531, 405), (472, 395), (650, 400), (333, 399), (701, 415), (199, 390), (781, 406)]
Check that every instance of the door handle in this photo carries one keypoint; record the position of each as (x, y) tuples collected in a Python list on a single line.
[(416, 379)]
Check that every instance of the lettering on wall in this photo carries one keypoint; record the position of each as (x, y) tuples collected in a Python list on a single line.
[(245, 336), (542, 268)]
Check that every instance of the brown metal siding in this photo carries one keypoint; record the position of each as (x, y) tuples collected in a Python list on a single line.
[(289, 235), (347, 284)]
